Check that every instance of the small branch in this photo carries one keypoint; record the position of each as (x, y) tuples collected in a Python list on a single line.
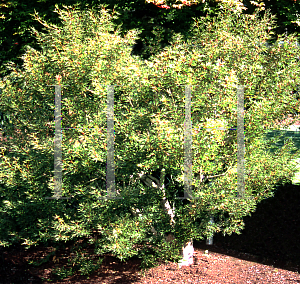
[(210, 177), (96, 179), (149, 181)]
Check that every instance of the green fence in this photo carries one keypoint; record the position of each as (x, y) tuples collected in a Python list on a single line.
[(292, 133)]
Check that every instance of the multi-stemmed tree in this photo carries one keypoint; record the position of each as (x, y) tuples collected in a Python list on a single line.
[(223, 56)]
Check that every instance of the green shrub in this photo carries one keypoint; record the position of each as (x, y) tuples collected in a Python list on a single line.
[(149, 124)]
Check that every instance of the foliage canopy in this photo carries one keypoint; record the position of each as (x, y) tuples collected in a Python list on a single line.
[(222, 53)]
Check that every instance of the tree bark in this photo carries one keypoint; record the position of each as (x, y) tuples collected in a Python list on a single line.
[(188, 249)]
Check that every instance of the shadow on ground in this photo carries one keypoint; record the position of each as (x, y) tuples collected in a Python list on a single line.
[(271, 235)]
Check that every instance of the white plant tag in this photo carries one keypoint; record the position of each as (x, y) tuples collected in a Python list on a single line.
[(188, 253)]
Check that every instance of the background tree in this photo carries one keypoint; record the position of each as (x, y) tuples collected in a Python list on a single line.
[(157, 23), (16, 18), (89, 53)]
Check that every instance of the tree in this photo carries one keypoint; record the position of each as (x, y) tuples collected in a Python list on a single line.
[(16, 18), (157, 25), (89, 55)]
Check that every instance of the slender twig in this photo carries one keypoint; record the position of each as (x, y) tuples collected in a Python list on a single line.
[(210, 177)]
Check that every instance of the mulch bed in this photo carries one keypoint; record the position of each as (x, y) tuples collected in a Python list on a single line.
[(224, 266), (267, 251)]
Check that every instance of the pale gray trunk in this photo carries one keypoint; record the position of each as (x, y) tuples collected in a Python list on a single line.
[(188, 249)]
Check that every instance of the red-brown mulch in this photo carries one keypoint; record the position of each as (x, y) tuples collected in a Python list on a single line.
[(267, 251), (224, 266)]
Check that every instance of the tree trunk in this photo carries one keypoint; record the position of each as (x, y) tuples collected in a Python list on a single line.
[(188, 249)]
